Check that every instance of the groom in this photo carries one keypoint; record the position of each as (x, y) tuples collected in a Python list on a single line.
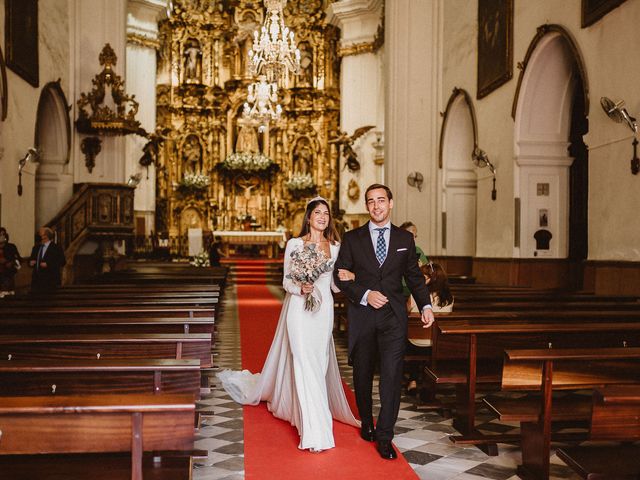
[(380, 255)]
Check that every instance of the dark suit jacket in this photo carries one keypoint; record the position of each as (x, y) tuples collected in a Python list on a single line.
[(51, 277), (357, 255)]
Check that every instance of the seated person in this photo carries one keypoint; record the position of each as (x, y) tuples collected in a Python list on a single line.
[(438, 282), (441, 302)]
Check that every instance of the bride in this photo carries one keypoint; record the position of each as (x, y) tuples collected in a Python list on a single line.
[(300, 380)]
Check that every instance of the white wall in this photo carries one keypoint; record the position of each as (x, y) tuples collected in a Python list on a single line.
[(17, 132), (612, 70), (412, 69)]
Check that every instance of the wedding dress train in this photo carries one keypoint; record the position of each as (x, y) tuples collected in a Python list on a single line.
[(300, 379)]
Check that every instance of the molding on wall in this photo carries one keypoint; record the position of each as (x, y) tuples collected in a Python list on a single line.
[(143, 41)]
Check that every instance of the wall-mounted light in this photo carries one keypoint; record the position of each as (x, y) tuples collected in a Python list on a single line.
[(415, 179), (32, 156), (481, 159), (616, 112), (134, 180)]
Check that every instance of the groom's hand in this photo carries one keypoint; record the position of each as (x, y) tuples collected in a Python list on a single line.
[(427, 317), (376, 299)]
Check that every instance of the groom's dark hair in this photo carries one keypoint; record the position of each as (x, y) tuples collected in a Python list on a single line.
[(375, 186)]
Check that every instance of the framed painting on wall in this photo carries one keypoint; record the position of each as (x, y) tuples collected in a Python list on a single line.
[(21, 38), (495, 44), (3, 89), (594, 10)]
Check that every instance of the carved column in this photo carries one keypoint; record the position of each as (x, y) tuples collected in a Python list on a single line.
[(361, 90), (142, 44)]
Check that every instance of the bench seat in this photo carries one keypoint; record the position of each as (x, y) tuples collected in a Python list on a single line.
[(456, 372), (92, 466), (598, 462), (82, 377), (528, 409)]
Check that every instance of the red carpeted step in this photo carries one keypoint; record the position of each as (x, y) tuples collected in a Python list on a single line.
[(271, 445)]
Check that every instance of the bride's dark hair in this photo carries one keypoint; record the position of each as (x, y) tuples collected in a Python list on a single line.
[(330, 232)]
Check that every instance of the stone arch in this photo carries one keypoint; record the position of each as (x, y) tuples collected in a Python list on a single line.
[(54, 182), (552, 74), (458, 138)]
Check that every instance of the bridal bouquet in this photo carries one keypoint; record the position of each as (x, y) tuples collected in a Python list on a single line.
[(306, 267)]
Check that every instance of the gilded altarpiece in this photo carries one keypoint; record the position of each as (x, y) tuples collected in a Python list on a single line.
[(203, 75)]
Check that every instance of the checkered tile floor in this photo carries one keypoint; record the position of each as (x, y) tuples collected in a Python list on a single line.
[(421, 436)]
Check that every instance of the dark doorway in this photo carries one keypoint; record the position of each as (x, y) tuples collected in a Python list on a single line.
[(578, 187)]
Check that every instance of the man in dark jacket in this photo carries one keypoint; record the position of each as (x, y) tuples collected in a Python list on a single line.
[(9, 264), (47, 261), (380, 255)]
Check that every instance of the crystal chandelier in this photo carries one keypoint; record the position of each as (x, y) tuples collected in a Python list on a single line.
[(262, 103), (274, 52)]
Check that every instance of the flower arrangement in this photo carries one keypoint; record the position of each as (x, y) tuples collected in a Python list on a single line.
[(246, 162), (301, 184), (307, 264), (193, 183), (200, 260)]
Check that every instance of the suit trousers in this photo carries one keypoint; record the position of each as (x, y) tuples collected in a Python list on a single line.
[(384, 337)]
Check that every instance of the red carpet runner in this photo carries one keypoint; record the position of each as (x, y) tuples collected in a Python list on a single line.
[(271, 445)]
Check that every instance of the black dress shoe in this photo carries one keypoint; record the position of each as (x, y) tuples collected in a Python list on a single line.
[(386, 450), (368, 433)]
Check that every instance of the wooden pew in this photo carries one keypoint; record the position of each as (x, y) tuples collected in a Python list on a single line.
[(56, 347), (547, 370), (62, 323), (93, 424), (469, 354), (614, 416), (117, 301), (103, 466), (114, 310), (104, 376)]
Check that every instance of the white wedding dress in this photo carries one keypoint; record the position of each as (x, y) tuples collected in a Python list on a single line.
[(300, 379)]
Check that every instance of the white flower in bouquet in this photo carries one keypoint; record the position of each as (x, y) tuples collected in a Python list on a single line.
[(306, 266), (201, 260), (247, 162), (195, 181), (300, 181)]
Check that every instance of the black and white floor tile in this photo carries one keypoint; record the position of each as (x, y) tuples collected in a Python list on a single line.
[(421, 436)]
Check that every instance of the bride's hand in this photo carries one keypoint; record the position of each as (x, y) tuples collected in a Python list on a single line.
[(346, 275), (306, 288)]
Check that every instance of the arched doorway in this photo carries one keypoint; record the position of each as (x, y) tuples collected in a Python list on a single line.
[(459, 181), (551, 174), (54, 181)]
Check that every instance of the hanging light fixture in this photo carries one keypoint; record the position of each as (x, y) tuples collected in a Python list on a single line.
[(262, 103), (274, 52)]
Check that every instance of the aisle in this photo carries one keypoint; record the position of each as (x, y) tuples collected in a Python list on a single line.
[(422, 436), (271, 444)]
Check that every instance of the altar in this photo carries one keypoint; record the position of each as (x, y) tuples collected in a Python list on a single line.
[(269, 240)]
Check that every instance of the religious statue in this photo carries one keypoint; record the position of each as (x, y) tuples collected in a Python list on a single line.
[(303, 156), (305, 78), (192, 154), (247, 184), (247, 140), (192, 62), (346, 142)]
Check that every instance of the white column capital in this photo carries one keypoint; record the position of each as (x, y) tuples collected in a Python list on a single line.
[(358, 20), (142, 21)]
